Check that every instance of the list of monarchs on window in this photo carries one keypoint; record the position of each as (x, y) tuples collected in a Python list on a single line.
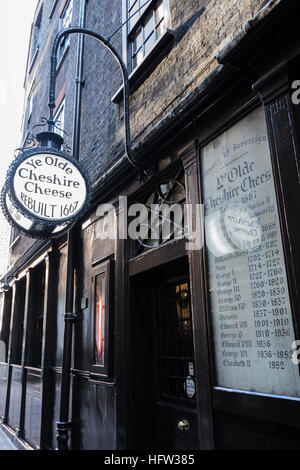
[(248, 289), (147, 23), (65, 22)]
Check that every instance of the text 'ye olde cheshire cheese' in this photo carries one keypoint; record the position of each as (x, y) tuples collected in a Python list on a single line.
[(50, 186)]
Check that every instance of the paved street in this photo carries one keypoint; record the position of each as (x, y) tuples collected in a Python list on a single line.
[(5, 442)]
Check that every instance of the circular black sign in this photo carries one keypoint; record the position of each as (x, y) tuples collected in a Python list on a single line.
[(45, 193)]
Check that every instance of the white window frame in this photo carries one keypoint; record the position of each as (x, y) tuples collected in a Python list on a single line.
[(59, 118), (137, 23), (65, 22), (28, 111)]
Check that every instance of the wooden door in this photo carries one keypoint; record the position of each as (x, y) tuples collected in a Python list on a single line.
[(163, 383)]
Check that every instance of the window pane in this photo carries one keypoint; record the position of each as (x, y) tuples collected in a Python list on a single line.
[(59, 118), (159, 13), (149, 25), (67, 15), (136, 16), (137, 40), (161, 28), (149, 43), (99, 316), (142, 2), (242, 228), (132, 2), (66, 22), (137, 58)]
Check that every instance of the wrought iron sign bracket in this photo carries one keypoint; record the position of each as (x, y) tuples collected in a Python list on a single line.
[(146, 170)]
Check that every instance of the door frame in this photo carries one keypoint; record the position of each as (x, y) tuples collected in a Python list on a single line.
[(160, 258)]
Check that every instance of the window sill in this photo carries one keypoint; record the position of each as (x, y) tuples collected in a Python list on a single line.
[(147, 66)]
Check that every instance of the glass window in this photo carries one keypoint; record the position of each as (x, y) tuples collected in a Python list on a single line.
[(18, 322), (247, 281), (59, 118), (99, 323), (28, 111), (101, 314), (65, 22), (148, 22)]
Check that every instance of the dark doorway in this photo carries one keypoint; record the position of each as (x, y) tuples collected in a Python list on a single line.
[(163, 395)]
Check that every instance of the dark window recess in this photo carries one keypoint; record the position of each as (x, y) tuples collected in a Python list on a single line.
[(5, 326), (36, 312), (164, 220), (174, 356), (18, 323)]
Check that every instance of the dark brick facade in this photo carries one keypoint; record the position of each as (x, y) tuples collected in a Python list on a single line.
[(218, 74)]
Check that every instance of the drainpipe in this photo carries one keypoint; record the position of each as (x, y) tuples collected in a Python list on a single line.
[(79, 82), (64, 426)]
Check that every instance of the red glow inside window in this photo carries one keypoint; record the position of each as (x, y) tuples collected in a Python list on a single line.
[(99, 320)]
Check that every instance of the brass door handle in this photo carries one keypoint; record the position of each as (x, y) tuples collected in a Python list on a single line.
[(183, 425)]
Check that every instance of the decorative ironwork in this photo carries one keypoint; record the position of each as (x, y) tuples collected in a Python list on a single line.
[(167, 192), (32, 140), (26, 226)]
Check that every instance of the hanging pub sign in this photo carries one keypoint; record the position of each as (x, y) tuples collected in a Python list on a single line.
[(45, 192)]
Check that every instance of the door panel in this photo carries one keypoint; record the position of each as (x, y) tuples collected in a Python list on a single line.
[(174, 362)]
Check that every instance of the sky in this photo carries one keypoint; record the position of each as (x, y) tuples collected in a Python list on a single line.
[(16, 16)]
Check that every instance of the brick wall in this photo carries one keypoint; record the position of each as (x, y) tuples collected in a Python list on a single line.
[(202, 28)]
